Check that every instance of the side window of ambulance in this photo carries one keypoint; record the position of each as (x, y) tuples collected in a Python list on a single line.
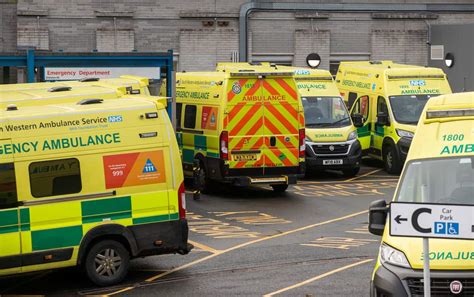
[(179, 108), (382, 105), (362, 106), (8, 194), (190, 116), (56, 177), (350, 99)]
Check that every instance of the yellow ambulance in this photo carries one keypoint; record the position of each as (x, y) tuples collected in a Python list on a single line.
[(244, 124), (390, 98), (135, 85), (331, 137), (34, 94), (440, 164), (93, 183)]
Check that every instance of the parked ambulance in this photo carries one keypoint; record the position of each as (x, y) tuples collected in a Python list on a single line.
[(92, 183), (244, 124), (331, 137), (35, 94), (134, 85), (439, 170), (390, 98)]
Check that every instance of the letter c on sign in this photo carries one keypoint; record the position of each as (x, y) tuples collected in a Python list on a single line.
[(414, 220)]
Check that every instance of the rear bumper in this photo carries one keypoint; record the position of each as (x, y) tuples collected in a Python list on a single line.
[(349, 160), (245, 181), (162, 238)]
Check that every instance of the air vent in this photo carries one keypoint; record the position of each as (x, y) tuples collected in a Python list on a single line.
[(59, 89), (89, 79), (437, 52), (90, 101), (12, 107)]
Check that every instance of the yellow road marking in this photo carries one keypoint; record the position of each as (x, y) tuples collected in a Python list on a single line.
[(318, 277), (364, 175), (347, 181), (241, 246), (120, 291), (203, 247)]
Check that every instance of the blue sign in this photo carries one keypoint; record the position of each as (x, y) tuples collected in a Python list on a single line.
[(149, 167), (449, 228)]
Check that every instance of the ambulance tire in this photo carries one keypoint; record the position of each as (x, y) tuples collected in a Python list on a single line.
[(205, 184), (110, 255), (391, 160), (279, 188), (351, 171)]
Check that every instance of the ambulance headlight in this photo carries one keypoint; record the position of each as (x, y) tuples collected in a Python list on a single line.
[(393, 256), (352, 135), (307, 139), (403, 133)]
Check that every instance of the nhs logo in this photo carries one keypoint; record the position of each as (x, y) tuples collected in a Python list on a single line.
[(417, 83), (449, 228), (115, 119)]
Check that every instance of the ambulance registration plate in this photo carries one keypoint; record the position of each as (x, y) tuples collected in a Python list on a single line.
[(244, 157), (332, 162)]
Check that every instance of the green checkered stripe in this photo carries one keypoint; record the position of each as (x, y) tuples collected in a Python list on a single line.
[(363, 131), (93, 212), (200, 144)]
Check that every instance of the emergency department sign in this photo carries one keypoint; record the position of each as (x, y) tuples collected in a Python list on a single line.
[(432, 220), (76, 73)]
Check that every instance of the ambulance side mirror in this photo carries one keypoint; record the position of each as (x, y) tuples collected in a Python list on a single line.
[(358, 120), (383, 119), (378, 211)]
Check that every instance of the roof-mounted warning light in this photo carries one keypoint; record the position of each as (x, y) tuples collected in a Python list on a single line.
[(451, 113)]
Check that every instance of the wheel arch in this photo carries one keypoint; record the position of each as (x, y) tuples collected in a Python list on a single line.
[(110, 231)]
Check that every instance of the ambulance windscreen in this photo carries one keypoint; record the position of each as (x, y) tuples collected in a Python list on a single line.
[(327, 112), (445, 181), (407, 108)]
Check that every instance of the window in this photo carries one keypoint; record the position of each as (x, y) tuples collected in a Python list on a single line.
[(352, 97), (362, 106), (52, 178), (382, 105), (8, 194), (179, 108), (190, 117)]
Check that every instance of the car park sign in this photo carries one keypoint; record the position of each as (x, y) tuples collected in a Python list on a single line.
[(432, 220)]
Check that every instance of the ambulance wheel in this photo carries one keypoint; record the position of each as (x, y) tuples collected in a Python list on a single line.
[(279, 188), (204, 182), (351, 171), (107, 263), (391, 160)]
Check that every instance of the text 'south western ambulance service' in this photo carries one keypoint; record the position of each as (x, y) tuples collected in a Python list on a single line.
[(93, 184)]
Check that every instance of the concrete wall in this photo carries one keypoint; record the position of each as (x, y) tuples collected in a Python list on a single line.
[(205, 32), (458, 40)]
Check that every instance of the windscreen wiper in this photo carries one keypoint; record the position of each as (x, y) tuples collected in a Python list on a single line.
[(333, 123)]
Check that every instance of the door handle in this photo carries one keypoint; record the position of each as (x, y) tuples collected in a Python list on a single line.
[(273, 141)]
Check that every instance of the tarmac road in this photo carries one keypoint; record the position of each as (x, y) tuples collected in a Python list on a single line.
[(310, 241)]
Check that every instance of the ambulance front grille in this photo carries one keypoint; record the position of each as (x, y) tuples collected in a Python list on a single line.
[(440, 287), (330, 149)]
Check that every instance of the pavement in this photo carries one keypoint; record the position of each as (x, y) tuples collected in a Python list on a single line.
[(310, 241)]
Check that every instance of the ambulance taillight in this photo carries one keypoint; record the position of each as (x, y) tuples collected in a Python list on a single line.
[(302, 136), (224, 145), (182, 201)]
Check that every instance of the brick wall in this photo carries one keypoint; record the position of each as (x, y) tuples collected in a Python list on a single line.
[(202, 49), (159, 25), (307, 41)]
